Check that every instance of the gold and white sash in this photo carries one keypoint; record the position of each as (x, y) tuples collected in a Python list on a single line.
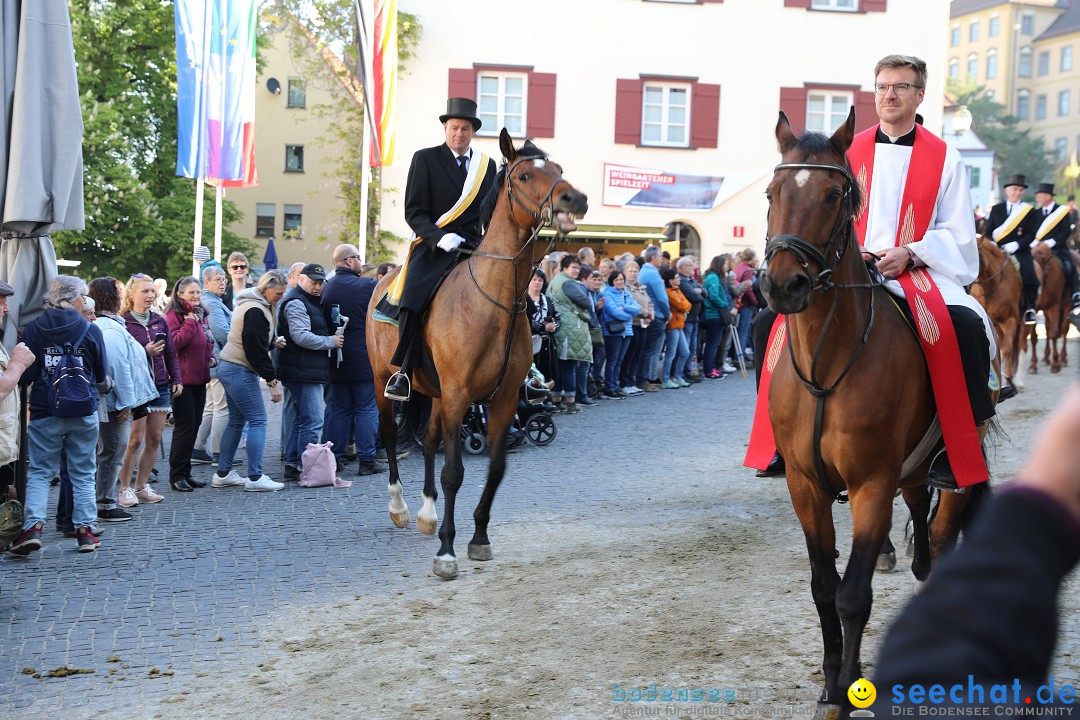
[(1051, 221), (478, 169), (1019, 212)]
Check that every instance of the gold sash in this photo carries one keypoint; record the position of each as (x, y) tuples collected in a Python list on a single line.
[(1018, 214), (1051, 221), (478, 170)]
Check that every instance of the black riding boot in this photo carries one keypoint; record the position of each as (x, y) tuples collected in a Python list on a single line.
[(399, 387)]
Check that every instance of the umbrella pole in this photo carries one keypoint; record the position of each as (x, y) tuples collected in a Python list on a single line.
[(23, 460), (219, 193)]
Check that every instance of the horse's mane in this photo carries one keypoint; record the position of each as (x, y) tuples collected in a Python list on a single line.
[(814, 144), (487, 206)]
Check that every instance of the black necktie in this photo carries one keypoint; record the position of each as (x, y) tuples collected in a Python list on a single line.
[(1046, 212), (461, 163)]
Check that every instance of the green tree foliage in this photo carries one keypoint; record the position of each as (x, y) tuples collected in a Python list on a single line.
[(322, 37), (1017, 151), (139, 214)]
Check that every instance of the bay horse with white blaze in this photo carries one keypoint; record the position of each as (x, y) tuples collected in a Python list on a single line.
[(479, 343), (869, 402)]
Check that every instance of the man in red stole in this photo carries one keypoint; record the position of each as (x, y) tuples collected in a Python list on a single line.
[(917, 219)]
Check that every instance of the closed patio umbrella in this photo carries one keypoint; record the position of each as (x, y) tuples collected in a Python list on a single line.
[(270, 260), (41, 172)]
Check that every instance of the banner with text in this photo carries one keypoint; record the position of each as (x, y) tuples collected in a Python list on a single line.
[(639, 187)]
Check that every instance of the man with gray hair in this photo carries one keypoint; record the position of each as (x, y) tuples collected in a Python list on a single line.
[(69, 352), (294, 273), (654, 334)]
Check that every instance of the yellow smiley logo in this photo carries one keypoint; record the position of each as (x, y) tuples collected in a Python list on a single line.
[(862, 693)]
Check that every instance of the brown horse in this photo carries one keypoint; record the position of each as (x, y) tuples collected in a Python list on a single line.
[(1055, 303), (997, 288), (849, 344), (479, 343)]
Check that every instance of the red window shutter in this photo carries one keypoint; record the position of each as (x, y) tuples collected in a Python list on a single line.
[(793, 103), (705, 116), (628, 111), (540, 122), (797, 3), (873, 5), (865, 111), (462, 83)]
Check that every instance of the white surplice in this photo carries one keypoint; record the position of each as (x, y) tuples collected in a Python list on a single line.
[(949, 247)]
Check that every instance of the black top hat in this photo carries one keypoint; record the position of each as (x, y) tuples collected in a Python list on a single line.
[(1047, 188), (462, 108), (1017, 180)]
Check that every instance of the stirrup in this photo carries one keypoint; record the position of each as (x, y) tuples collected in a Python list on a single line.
[(1030, 317), (393, 395)]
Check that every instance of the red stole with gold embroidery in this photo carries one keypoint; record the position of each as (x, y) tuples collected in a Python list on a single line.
[(932, 318)]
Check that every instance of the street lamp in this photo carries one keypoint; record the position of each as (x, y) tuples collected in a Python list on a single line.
[(961, 120)]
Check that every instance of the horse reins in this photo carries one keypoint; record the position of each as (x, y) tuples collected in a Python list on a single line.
[(804, 252), (544, 215)]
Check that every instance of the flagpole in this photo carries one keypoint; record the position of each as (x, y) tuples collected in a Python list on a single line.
[(367, 38), (219, 193), (198, 223)]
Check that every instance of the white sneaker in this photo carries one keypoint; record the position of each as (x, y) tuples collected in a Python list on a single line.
[(263, 484), (230, 480), (127, 499), (632, 390), (728, 368)]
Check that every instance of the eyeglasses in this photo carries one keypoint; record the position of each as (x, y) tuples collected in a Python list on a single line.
[(900, 88), (238, 267), (351, 257)]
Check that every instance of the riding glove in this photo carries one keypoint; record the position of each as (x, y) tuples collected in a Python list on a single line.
[(1011, 247), (450, 241)]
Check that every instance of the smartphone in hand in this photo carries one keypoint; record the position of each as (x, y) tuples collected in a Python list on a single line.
[(159, 337)]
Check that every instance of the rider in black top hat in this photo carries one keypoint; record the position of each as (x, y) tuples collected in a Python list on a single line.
[(1012, 226), (440, 180), (1054, 230)]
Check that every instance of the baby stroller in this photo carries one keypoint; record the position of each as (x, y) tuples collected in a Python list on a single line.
[(533, 420)]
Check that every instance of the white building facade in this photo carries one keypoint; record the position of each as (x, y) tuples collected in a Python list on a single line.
[(662, 111)]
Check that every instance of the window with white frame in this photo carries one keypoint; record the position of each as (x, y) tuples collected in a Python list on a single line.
[(954, 36), (665, 115), (1023, 105), (501, 101), (1044, 63), (264, 219), (974, 173), (843, 5), (294, 219), (1027, 24), (826, 110), (1064, 101), (991, 64), (1066, 58), (973, 31), (1024, 69), (973, 66), (1040, 107), (1061, 149), (954, 68), (994, 26)]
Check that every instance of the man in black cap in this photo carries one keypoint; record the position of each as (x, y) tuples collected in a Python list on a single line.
[(1054, 230), (1012, 226), (445, 189), (304, 362)]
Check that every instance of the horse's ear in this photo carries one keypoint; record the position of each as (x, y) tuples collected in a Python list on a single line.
[(784, 136), (506, 144), (841, 139)]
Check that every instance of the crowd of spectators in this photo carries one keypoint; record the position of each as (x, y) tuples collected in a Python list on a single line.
[(109, 364)]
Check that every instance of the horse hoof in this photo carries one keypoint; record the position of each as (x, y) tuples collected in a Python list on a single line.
[(426, 525), (479, 552), (885, 562), (1055, 369), (919, 586), (827, 712), (401, 519), (445, 567)]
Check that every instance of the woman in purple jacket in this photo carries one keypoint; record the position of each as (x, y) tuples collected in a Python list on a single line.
[(152, 332), (195, 350)]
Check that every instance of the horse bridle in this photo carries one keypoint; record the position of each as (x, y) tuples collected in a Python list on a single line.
[(544, 214), (804, 252)]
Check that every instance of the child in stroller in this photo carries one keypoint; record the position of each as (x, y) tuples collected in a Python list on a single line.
[(533, 420)]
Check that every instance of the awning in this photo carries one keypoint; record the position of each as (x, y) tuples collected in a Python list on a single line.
[(622, 234)]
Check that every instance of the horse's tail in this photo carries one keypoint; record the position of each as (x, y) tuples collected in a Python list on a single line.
[(980, 493), (415, 414)]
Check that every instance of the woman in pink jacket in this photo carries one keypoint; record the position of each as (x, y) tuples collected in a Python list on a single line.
[(195, 351)]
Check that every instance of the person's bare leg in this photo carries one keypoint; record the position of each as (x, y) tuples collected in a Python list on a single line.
[(155, 425), (138, 430)]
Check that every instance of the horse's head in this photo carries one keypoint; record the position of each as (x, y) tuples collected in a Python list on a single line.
[(812, 198), (1041, 253), (535, 188)]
